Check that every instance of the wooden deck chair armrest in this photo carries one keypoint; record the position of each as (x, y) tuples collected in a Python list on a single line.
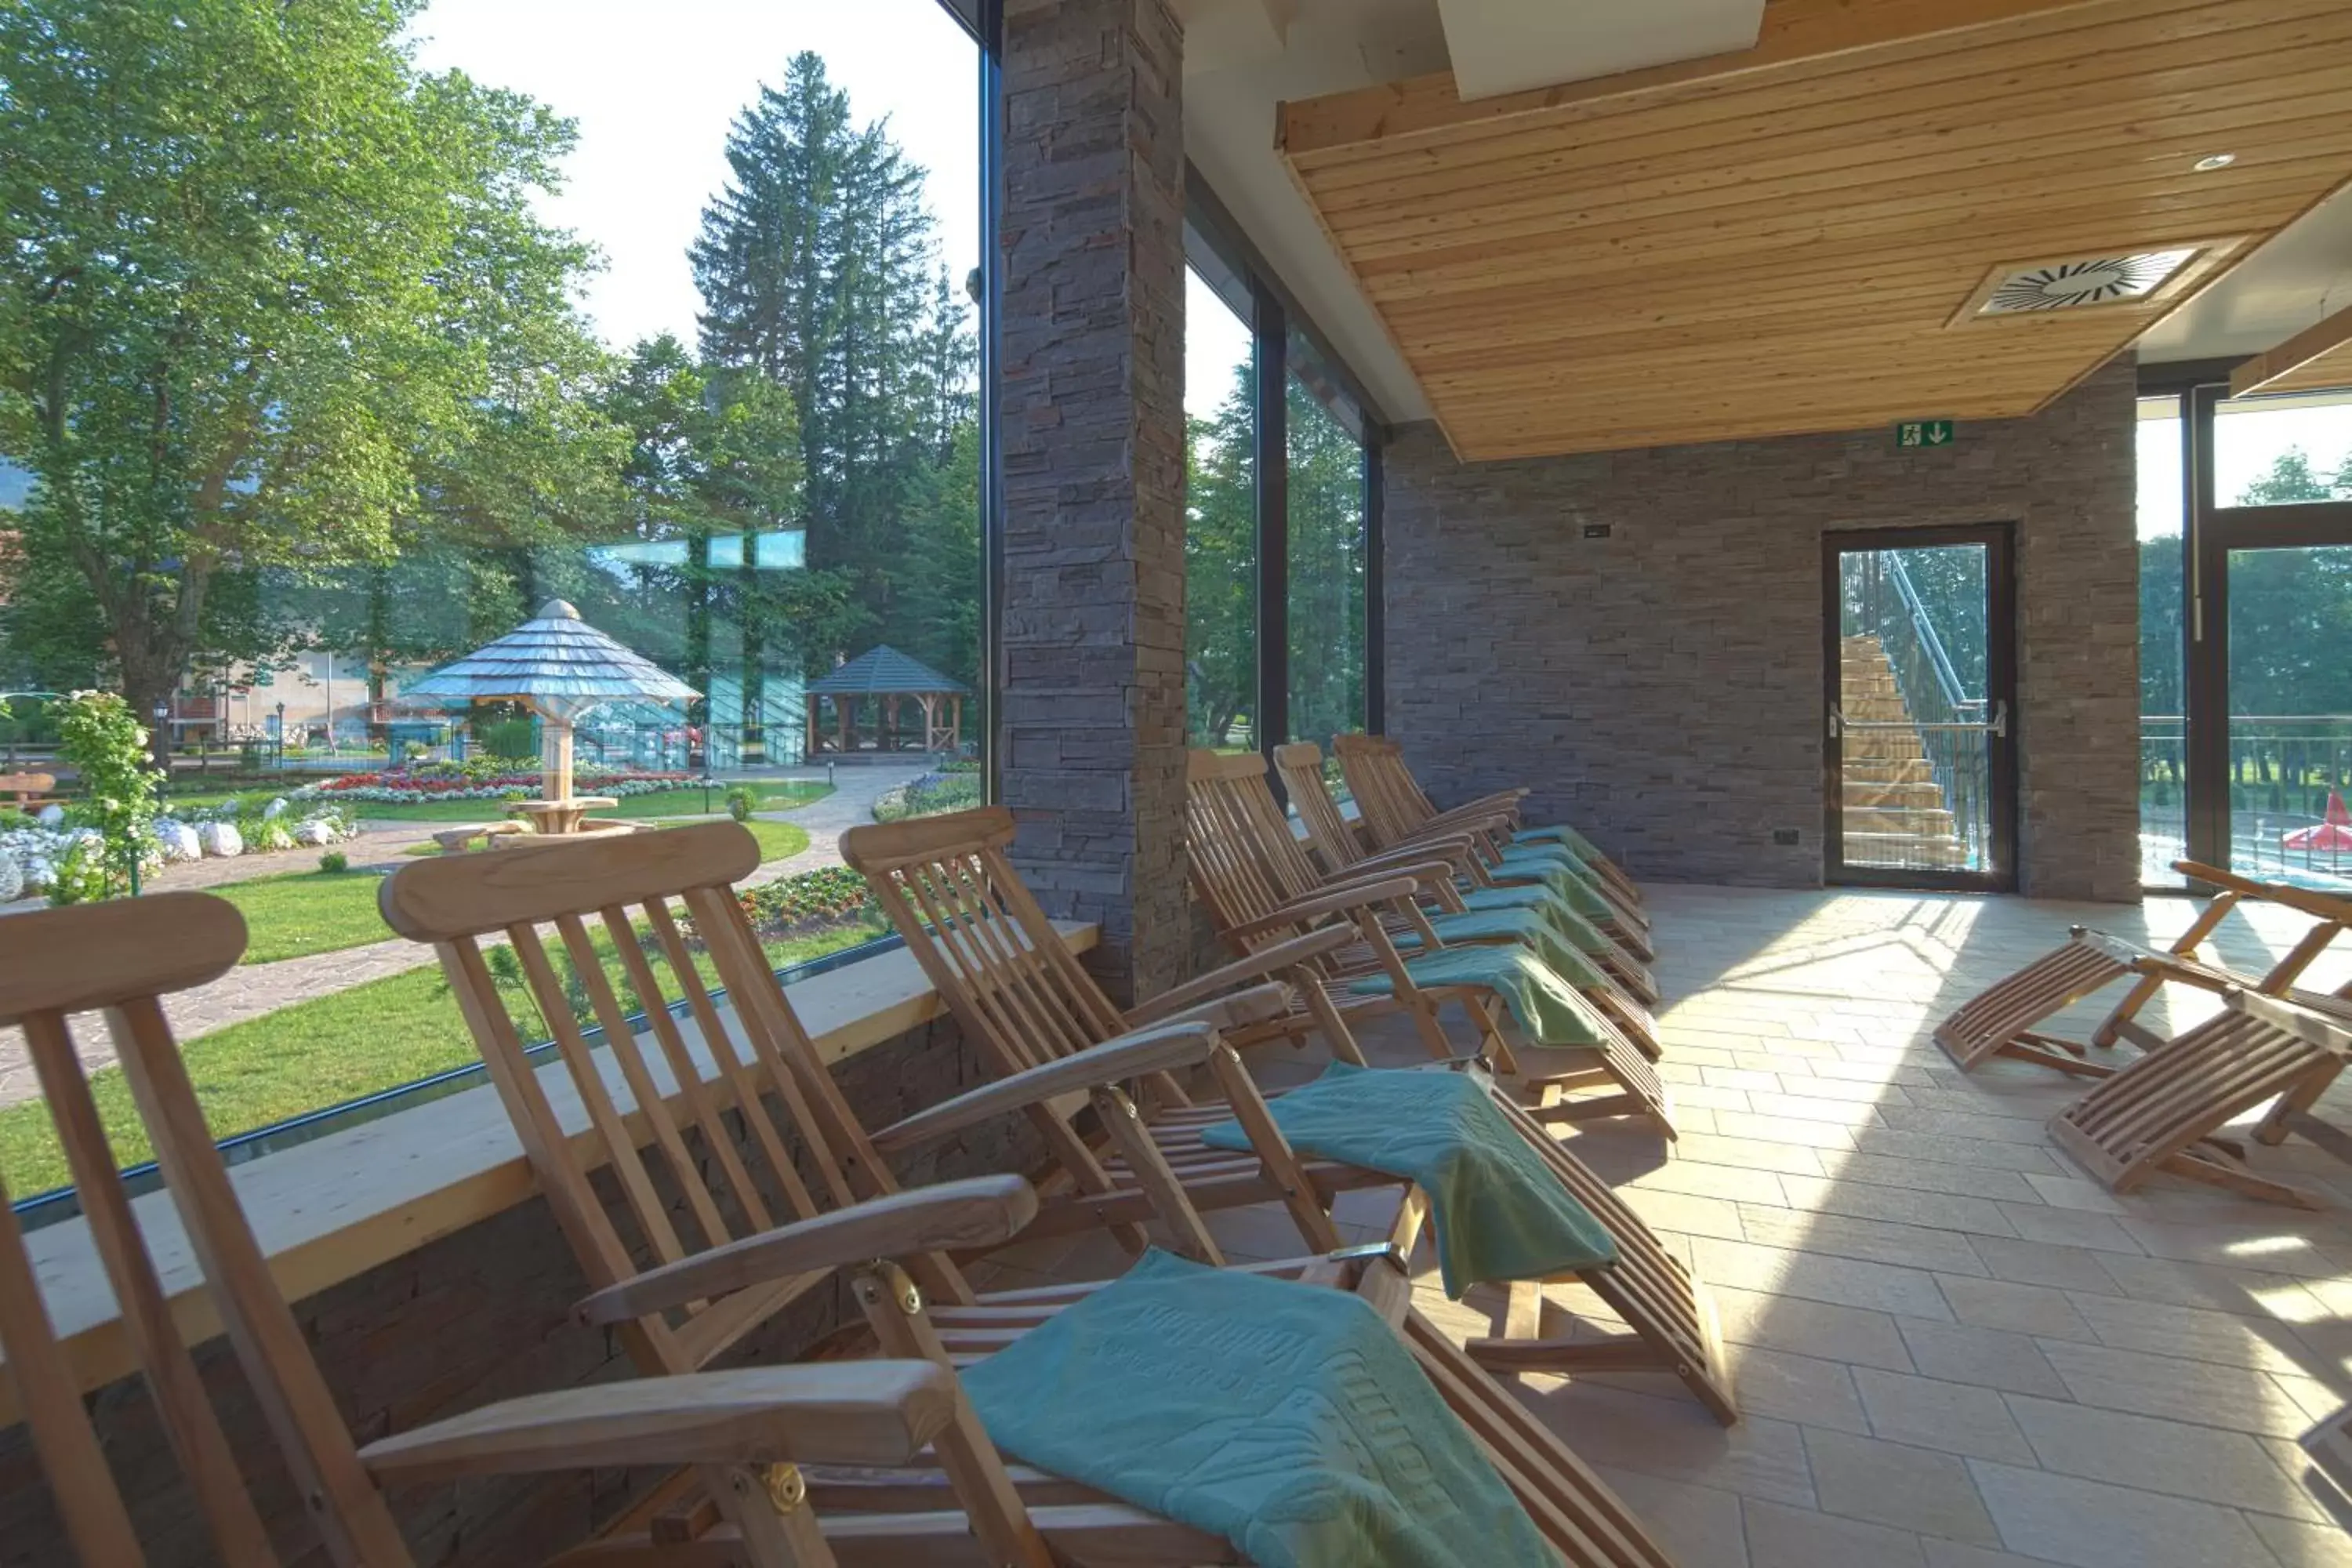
[(1223, 985), (1223, 981), (1345, 897), (1164, 1048), (827, 1412), (979, 1212), (2318, 906), (1451, 850), (1502, 803), (2330, 1031)]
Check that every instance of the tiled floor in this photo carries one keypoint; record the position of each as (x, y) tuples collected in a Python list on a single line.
[(1952, 1350)]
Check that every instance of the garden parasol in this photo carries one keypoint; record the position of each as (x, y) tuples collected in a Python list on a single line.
[(2332, 834), (558, 666)]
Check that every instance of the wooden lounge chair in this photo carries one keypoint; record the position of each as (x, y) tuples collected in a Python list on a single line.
[(2005, 1019), (2328, 1445), (744, 1432), (1260, 890), (1395, 807), (716, 1124), (2166, 1111), (1345, 858), (948, 886)]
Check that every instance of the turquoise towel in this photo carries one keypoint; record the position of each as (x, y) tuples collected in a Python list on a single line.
[(1286, 1418), (1560, 833), (1582, 933), (1525, 926), (1546, 1007), (1497, 1211), (1557, 875)]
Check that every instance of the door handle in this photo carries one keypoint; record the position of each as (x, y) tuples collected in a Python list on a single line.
[(1836, 719), (1999, 725)]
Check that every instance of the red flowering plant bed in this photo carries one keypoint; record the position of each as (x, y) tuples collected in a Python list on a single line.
[(821, 899)]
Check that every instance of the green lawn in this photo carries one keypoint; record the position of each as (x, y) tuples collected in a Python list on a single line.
[(337, 1047), (297, 913), (777, 840)]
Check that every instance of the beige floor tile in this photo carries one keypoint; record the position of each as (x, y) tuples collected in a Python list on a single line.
[(1978, 1153), (2014, 1309), (2194, 1334), (1789, 1129), (2274, 1246), (2038, 1263), (2199, 1393), (1816, 1277), (1874, 1241), (2226, 1468), (1844, 1112), (1752, 1153), (1968, 1124), (2280, 1296), (1739, 1078), (1700, 1179), (1865, 1200), (1953, 1418), (1851, 1335), (2070, 1227), (1687, 1212), (1954, 1554), (1699, 1526), (1987, 1358), (1780, 1537), (1790, 1387), (1927, 1176), (2086, 1524), (2297, 1543), (1673, 1438), (1892, 1484)]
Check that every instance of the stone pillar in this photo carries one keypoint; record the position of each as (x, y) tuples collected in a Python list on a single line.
[(1091, 407)]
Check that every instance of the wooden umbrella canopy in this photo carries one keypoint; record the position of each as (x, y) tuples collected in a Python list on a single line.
[(559, 667), (889, 678)]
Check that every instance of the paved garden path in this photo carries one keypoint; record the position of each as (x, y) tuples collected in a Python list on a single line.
[(252, 990)]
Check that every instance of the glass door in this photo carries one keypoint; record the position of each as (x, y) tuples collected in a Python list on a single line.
[(1920, 776), (2290, 714)]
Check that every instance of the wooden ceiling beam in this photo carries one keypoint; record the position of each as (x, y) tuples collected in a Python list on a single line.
[(2292, 355), (1398, 115)]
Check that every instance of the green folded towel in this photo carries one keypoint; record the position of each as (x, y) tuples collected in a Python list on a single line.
[(1526, 926), (1546, 1007), (1562, 878), (1557, 912), (1286, 1418), (1560, 833), (1497, 1211)]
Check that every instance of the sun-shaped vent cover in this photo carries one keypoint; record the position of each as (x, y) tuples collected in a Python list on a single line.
[(2084, 281)]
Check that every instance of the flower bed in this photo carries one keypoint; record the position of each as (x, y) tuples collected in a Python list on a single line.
[(479, 781), (811, 901), (55, 854), (954, 788)]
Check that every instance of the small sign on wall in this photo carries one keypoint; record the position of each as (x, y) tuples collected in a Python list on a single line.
[(1924, 433)]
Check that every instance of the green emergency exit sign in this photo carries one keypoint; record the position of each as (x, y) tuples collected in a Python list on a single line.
[(1924, 433)]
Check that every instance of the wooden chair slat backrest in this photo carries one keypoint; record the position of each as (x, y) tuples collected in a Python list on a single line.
[(1391, 802), (1301, 766), (948, 884), (119, 958), (630, 916), (1245, 860)]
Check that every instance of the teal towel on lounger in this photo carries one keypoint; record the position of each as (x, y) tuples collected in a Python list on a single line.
[(1497, 1210), (1528, 927), (1560, 833), (1562, 878), (1286, 1418), (1581, 933), (1546, 1007)]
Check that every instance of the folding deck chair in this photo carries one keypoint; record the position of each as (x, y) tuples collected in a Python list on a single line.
[(2166, 1111), (1345, 858), (2004, 1019), (744, 1432), (700, 1251), (951, 889), (1395, 807), (1261, 890)]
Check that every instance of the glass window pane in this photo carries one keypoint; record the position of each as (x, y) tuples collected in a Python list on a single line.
[(1326, 563), (1221, 557), (670, 322), (2271, 451), (2163, 756), (2291, 714)]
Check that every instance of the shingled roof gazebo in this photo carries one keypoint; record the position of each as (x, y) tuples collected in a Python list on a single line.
[(888, 678)]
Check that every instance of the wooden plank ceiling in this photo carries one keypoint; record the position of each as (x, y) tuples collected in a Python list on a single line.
[(1790, 238)]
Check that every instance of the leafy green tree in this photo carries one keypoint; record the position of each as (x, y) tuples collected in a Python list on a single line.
[(1327, 572), (272, 301), (2290, 477), (99, 734), (1221, 564)]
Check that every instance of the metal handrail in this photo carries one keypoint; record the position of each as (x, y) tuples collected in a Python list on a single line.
[(1948, 678)]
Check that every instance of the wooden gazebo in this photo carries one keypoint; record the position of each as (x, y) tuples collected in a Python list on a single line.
[(890, 680)]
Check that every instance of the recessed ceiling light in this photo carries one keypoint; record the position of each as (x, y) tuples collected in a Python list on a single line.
[(2218, 161)]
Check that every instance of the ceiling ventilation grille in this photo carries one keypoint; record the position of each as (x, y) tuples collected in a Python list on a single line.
[(2027, 288)]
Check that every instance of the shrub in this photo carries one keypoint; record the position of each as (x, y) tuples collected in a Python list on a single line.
[(106, 745), (334, 860), (740, 802), (509, 737)]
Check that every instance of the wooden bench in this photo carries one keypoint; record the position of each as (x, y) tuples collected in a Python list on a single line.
[(456, 840), (28, 792)]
